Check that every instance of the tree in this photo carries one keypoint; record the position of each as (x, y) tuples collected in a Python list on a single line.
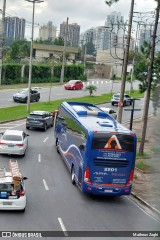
[(19, 49), (149, 79), (91, 88), (59, 41)]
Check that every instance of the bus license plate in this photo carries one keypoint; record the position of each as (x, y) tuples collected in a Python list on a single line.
[(108, 190)]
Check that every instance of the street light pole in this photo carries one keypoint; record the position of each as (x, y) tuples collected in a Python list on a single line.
[(64, 52), (2, 41), (31, 53), (124, 73)]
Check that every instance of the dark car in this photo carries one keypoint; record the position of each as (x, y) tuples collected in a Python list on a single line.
[(74, 85), (127, 100), (22, 96), (39, 119)]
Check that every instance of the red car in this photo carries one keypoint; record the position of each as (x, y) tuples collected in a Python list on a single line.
[(73, 85)]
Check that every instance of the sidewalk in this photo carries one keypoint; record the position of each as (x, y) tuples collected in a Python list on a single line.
[(146, 184)]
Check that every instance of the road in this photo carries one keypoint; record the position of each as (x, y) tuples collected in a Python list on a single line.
[(58, 92), (54, 204)]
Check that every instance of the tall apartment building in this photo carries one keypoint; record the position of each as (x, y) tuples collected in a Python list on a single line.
[(73, 35), (47, 32), (14, 28)]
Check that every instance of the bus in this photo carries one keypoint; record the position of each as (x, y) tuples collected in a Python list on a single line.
[(98, 151)]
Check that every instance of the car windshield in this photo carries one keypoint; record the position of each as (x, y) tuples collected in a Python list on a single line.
[(36, 116), (72, 81), (117, 95), (23, 91), (6, 187), (15, 138), (9, 187)]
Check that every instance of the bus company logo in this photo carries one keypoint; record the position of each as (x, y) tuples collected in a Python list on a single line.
[(110, 169)]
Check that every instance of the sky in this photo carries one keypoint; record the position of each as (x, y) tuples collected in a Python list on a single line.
[(86, 13)]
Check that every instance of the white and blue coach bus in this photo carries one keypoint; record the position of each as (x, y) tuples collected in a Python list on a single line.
[(98, 151)]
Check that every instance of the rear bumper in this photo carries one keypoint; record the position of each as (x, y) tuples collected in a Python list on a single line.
[(35, 125), (19, 151), (108, 191), (15, 204)]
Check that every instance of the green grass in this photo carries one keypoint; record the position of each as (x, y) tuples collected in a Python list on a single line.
[(140, 164), (144, 156), (20, 111)]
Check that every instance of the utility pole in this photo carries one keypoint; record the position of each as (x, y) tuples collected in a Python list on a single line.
[(64, 52), (124, 73), (31, 53), (2, 41)]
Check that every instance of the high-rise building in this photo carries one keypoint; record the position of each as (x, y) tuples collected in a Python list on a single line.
[(14, 28), (73, 35), (47, 32)]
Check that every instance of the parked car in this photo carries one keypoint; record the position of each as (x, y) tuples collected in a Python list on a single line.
[(22, 96), (12, 192), (109, 111), (74, 85), (14, 142), (40, 119), (127, 100)]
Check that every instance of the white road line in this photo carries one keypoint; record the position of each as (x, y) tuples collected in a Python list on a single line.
[(39, 157), (63, 227), (45, 139), (45, 185)]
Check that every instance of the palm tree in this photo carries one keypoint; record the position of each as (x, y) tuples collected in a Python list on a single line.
[(91, 88)]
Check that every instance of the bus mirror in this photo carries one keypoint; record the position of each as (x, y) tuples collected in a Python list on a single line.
[(81, 147)]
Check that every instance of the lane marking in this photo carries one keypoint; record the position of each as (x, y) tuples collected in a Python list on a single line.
[(39, 157), (45, 139), (45, 185), (63, 227)]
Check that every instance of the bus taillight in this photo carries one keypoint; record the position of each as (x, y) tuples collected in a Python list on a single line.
[(131, 177), (87, 176)]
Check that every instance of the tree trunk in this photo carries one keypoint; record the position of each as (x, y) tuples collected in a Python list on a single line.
[(149, 80)]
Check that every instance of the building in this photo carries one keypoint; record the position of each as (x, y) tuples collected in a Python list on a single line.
[(73, 35), (47, 32), (14, 29), (44, 51)]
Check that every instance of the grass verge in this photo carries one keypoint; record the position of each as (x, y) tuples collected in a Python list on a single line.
[(20, 111), (140, 164)]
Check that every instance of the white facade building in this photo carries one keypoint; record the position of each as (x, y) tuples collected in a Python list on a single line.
[(47, 32)]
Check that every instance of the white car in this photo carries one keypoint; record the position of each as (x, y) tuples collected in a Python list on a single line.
[(12, 193), (14, 142), (109, 111)]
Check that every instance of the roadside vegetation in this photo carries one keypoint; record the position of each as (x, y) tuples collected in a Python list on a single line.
[(20, 111)]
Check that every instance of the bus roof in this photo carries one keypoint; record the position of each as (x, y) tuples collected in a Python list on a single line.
[(93, 118)]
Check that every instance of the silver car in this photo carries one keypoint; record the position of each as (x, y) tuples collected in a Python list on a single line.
[(14, 142)]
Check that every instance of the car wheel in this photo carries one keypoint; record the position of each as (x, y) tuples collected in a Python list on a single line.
[(27, 127), (37, 100), (23, 210), (57, 146), (45, 127), (73, 176), (112, 103)]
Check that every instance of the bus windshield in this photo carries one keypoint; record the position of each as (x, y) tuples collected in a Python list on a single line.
[(109, 141)]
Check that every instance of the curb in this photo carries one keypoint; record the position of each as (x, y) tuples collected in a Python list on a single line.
[(145, 203)]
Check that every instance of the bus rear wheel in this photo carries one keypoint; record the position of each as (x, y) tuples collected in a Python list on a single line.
[(73, 176)]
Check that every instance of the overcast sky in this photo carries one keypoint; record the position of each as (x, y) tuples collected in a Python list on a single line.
[(86, 13)]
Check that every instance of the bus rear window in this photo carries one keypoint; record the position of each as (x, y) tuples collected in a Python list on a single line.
[(110, 141)]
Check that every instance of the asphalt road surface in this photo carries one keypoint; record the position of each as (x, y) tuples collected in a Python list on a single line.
[(54, 204), (58, 92)]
